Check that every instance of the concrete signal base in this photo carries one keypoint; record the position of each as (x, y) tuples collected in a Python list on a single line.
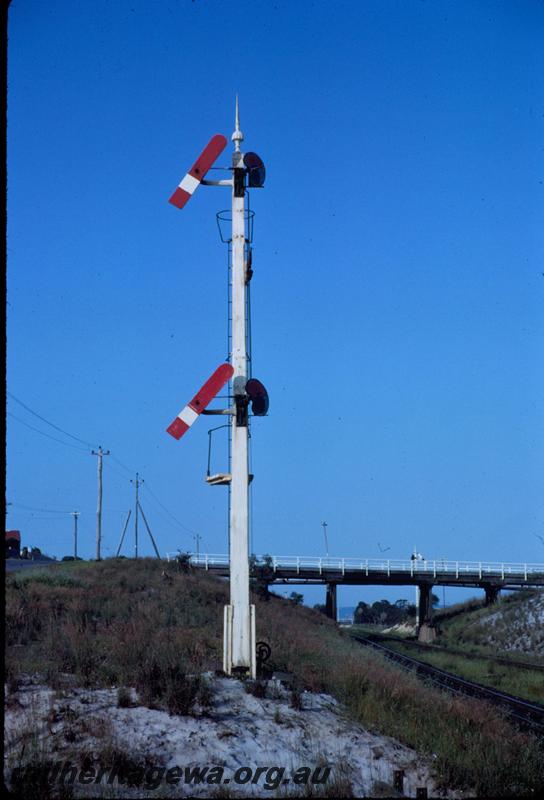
[(239, 670)]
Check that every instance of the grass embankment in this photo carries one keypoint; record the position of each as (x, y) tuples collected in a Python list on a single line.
[(508, 628), (467, 646), (122, 623)]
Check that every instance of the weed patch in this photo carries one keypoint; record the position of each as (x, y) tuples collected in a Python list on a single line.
[(120, 623), (124, 699)]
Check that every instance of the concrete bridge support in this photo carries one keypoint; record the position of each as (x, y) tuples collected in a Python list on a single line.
[(330, 602), (425, 603), (425, 632), (491, 593)]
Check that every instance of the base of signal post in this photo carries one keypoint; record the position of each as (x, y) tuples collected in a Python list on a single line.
[(227, 642)]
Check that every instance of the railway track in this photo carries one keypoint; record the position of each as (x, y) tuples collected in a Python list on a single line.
[(525, 714), (433, 648)]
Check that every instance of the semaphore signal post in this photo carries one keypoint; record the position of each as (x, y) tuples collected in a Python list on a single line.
[(239, 653)]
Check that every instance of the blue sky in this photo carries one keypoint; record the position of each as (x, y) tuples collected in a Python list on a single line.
[(398, 265)]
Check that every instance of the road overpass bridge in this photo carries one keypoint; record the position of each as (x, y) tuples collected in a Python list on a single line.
[(491, 576)]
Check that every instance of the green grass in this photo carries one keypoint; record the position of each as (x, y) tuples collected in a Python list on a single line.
[(120, 623), (365, 630), (58, 577), (514, 680), (468, 631)]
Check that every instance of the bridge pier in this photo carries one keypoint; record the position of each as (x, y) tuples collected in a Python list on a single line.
[(425, 631), (425, 604), (491, 593), (330, 602)]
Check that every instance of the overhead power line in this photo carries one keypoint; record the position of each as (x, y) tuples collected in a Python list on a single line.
[(41, 510), (175, 525), (130, 471), (57, 511), (188, 531), (116, 471), (54, 438), (57, 428), (180, 524)]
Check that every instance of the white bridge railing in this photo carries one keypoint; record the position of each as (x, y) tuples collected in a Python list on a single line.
[(301, 564)]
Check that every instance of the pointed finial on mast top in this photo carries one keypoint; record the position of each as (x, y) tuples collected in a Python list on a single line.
[(237, 136)]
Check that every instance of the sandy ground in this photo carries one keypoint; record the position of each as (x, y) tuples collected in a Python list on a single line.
[(238, 730), (524, 630)]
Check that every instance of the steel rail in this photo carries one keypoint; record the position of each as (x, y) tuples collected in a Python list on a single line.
[(433, 648), (526, 714)]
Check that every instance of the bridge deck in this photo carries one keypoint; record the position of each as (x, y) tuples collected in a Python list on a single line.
[(299, 569)]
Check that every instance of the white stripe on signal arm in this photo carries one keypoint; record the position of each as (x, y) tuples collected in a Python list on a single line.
[(189, 184), (188, 416)]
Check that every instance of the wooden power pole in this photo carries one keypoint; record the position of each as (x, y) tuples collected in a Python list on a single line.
[(99, 453), (75, 515), (137, 483)]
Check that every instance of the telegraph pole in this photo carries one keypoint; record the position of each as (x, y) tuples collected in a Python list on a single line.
[(75, 515), (99, 453), (137, 483), (198, 537)]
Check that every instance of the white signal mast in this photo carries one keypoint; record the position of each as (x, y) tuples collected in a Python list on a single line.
[(239, 652), (239, 619)]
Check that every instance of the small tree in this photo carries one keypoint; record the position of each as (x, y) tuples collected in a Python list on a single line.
[(296, 598), (363, 613), (183, 561), (260, 572)]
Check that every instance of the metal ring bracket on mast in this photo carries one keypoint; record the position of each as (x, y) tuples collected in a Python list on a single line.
[(224, 222)]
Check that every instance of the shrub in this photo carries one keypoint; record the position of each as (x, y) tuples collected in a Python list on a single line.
[(124, 698), (163, 681), (183, 562), (256, 688), (295, 698)]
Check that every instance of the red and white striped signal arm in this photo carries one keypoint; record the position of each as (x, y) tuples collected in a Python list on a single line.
[(191, 181), (205, 395)]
